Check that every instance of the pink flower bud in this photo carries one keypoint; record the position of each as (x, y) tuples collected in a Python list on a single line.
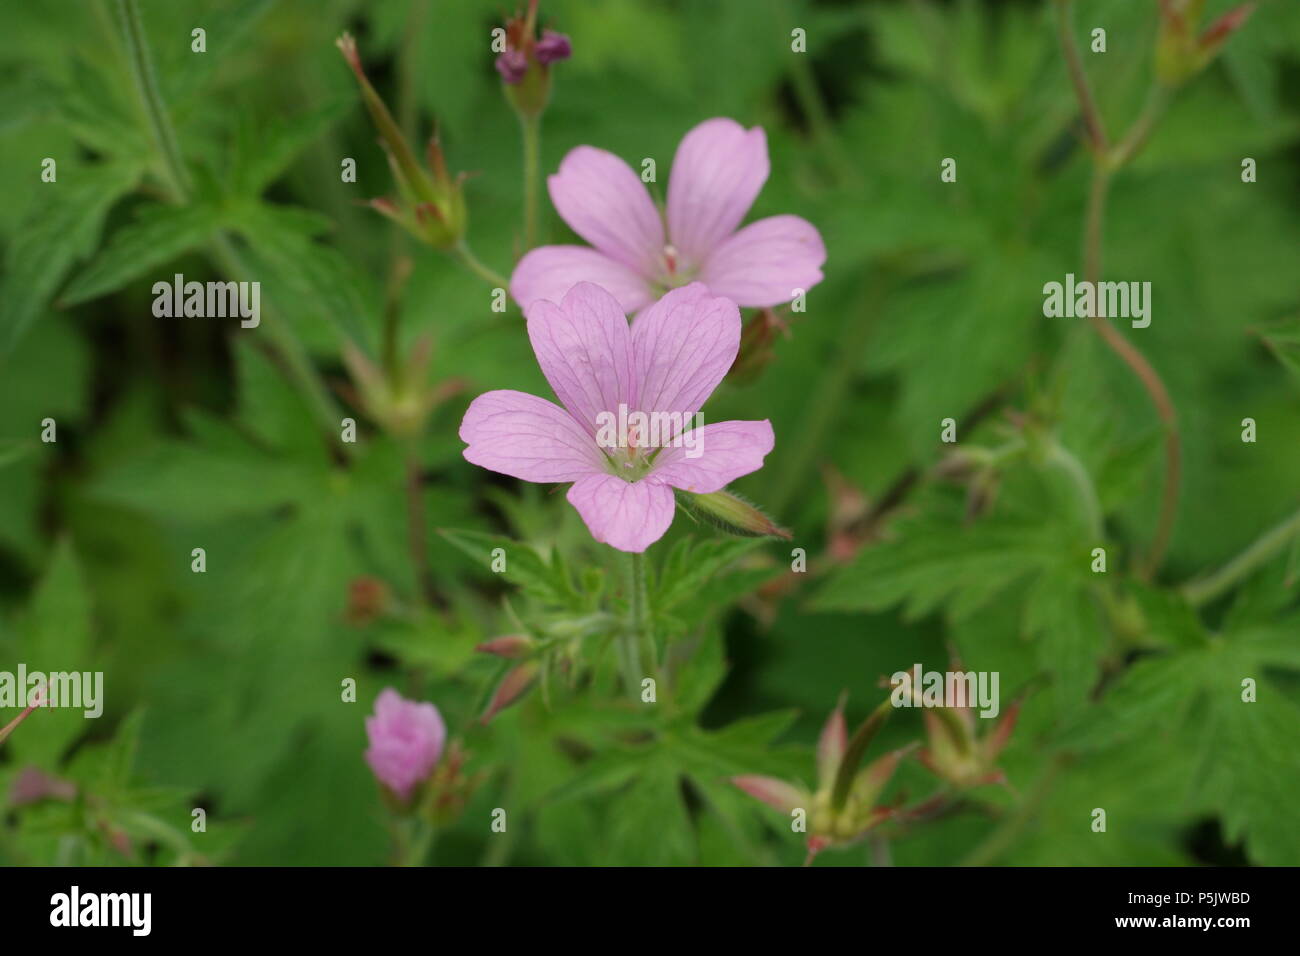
[(512, 65), (552, 46), (510, 689), (406, 740), (513, 646)]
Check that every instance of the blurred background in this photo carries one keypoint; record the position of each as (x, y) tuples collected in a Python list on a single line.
[(223, 688)]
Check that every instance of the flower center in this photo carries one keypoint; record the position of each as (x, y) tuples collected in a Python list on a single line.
[(676, 271)]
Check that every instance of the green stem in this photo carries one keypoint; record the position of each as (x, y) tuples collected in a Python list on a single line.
[(291, 351), (1078, 78), (297, 362), (147, 85), (531, 127), (637, 631), (9, 727), (415, 530), (1135, 139), (1104, 165), (1066, 461), (461, 252), (414, 838), (1206, 589)]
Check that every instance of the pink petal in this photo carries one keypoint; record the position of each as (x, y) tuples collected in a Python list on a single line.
[(764, 263), (628, 515), (527, 437), (683, 345), (605, 202), (584, 347), (717, 173), (727, 450), (551, 271), (775, 793)]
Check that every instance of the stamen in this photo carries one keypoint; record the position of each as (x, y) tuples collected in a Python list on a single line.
[(670, 258)]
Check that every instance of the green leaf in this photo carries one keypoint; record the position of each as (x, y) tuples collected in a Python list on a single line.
[(1067, 623), (159, 235), (1284, 343), (1254, 766), (524, 566), (1150, 698), (700, 671), (46, 247), (691, 564), (307, 281), (53, 635), (265, 160), (931, 562)]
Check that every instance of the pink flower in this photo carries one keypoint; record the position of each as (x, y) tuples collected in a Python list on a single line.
[(406, 740), (668, 361), (717, 173)]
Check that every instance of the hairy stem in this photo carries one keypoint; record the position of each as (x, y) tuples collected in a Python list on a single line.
[(146, 83), (8, 728), (1103, 167), (531, 127), (415, 524), (296, 361), (1078, 79), (1071, 467), (637, 630), (461, 252), (1205, 589)]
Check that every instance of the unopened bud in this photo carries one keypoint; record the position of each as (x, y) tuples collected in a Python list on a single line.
[(513, 646), (729, 512), (524, 65), (1180, 52), (552, 47), (431, 203), (510, 689), (367, 600)]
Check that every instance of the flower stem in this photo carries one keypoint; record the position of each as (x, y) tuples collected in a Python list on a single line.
[(1203, 590), (146, 82), (415, 524), (297, 363), (294, 356), (414, 838), (1072, 468), (1104, 165), (8, 728), (1078, 78), (637, 630), (531, 127), (461, 252)]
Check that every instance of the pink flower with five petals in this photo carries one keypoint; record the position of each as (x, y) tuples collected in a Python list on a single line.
[(719, 168), (669, 360)]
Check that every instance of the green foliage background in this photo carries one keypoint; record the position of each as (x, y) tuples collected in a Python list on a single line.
[(223, 688)]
